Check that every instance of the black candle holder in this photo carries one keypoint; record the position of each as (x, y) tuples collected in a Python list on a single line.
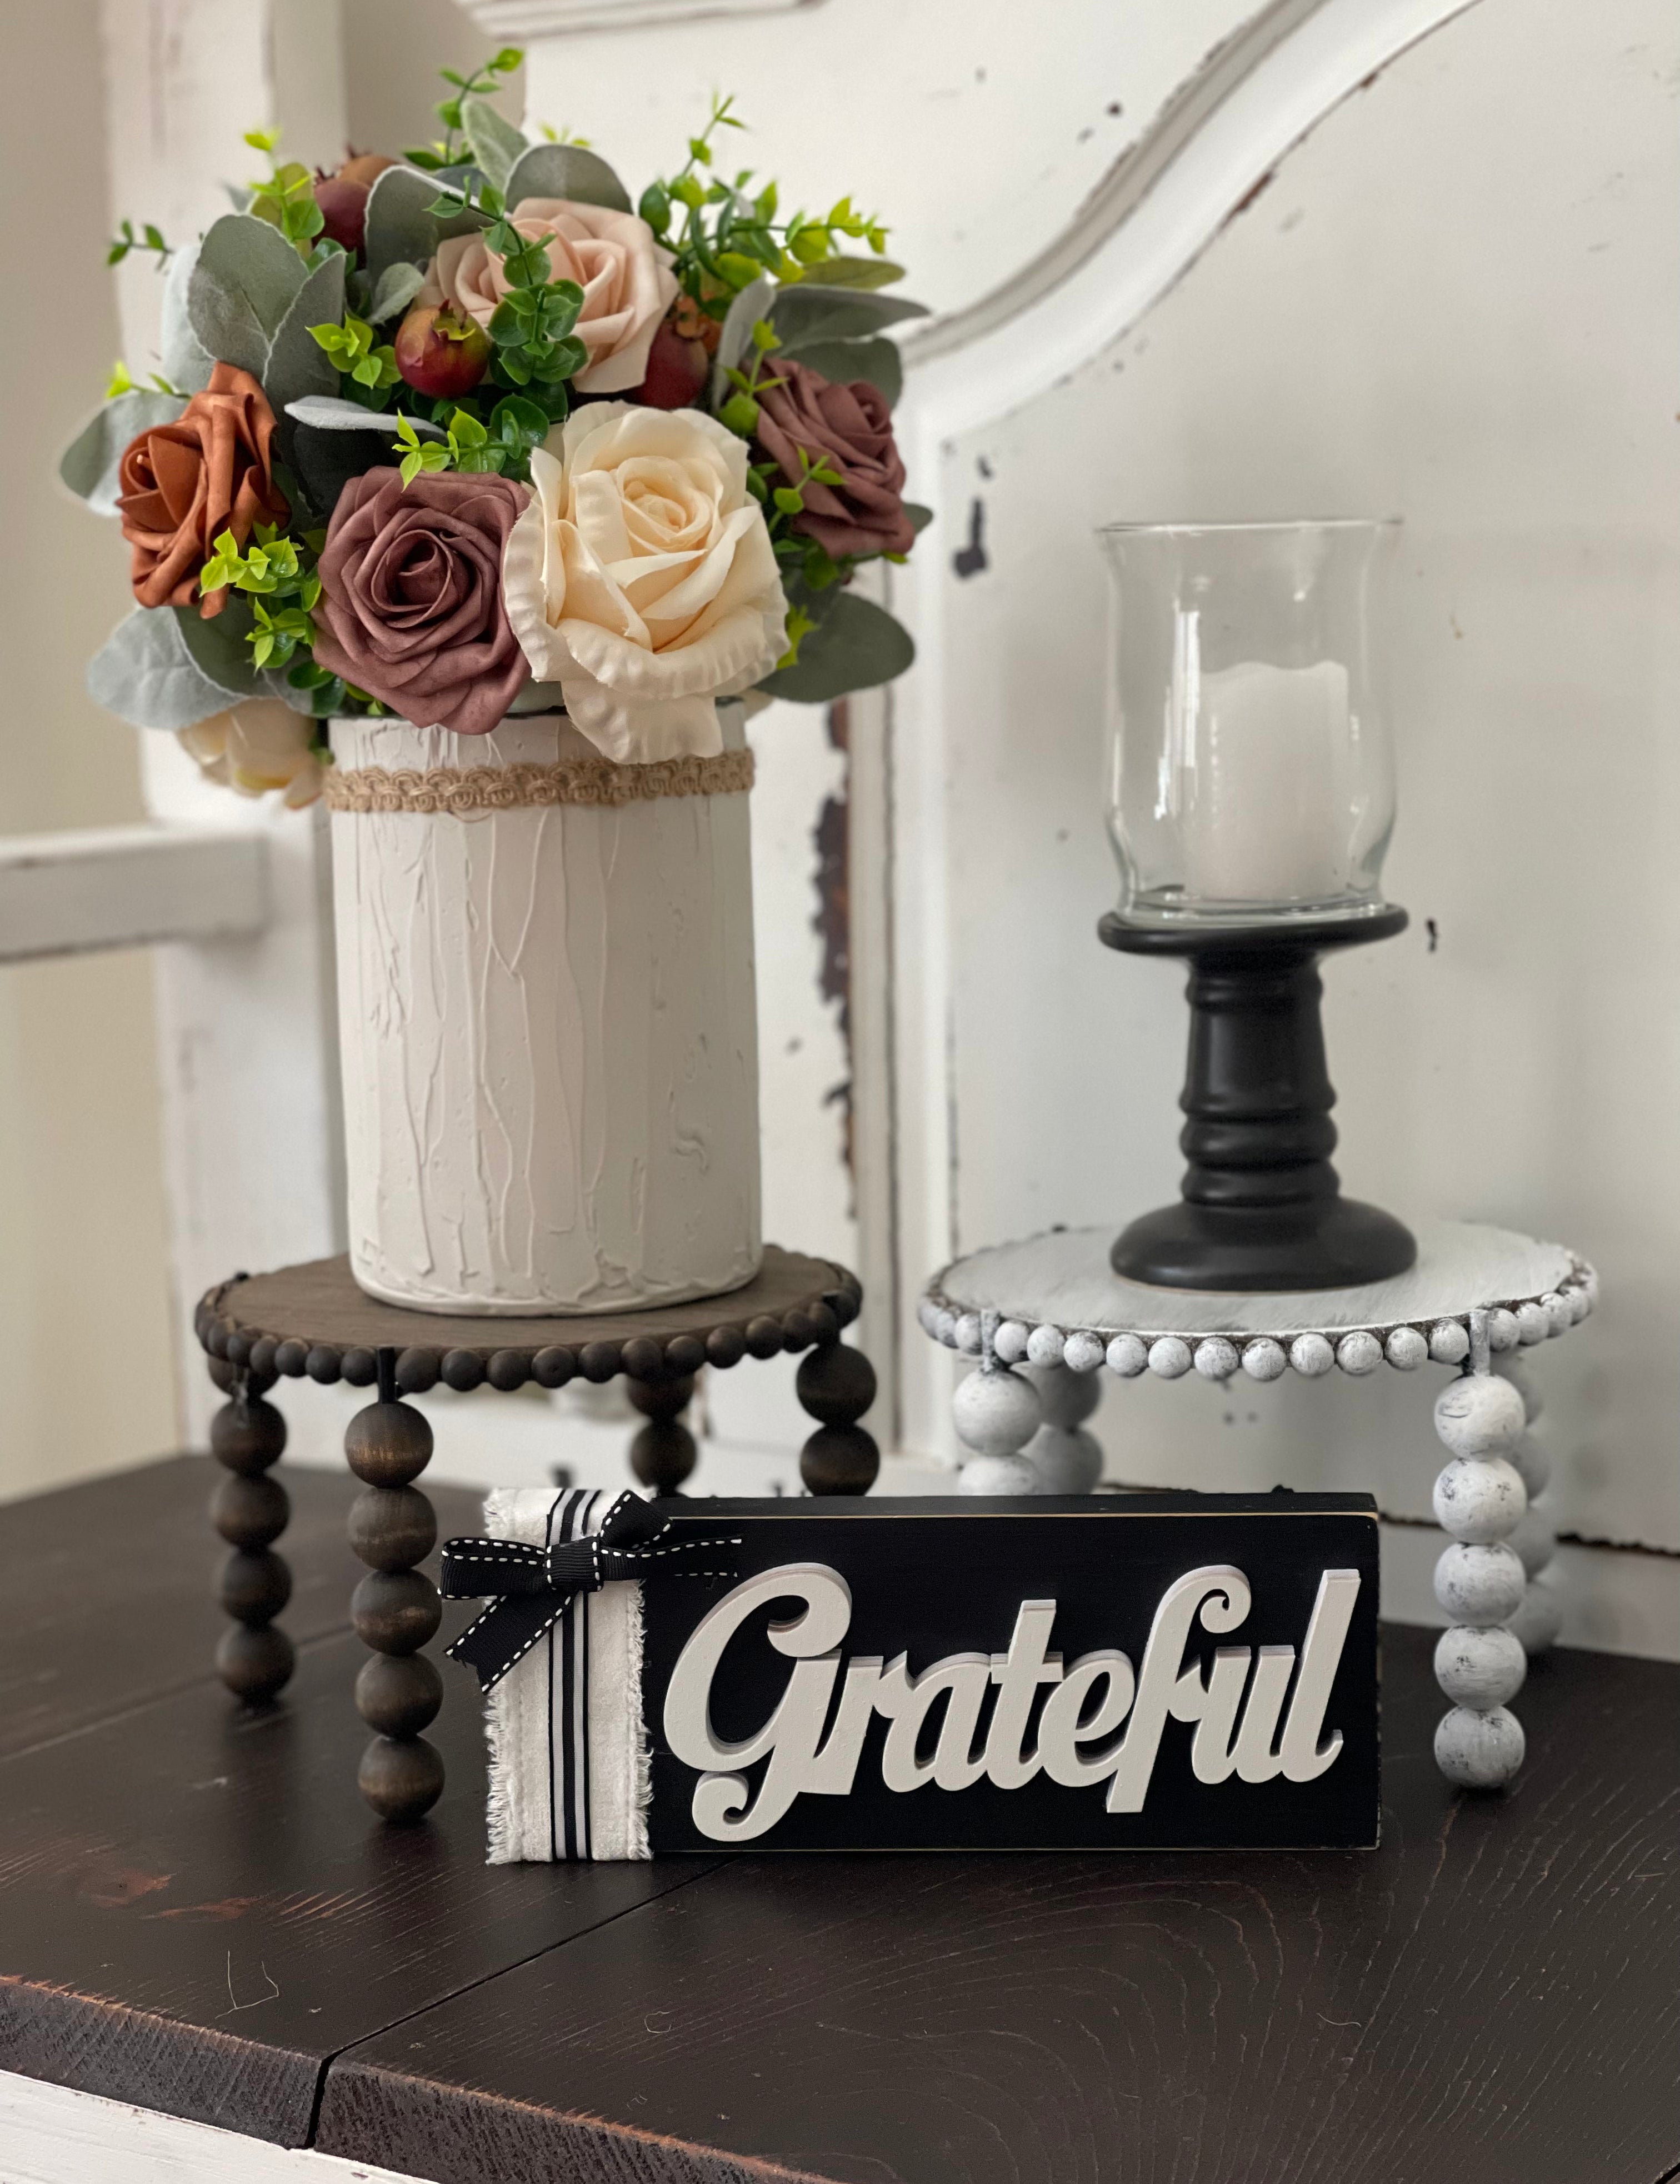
[(1261, 1206)]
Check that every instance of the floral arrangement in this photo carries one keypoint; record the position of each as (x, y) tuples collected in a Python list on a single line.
[(464, 433)]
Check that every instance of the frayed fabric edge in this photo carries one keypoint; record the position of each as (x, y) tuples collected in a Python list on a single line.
[(501, 1834), (641, 1755)]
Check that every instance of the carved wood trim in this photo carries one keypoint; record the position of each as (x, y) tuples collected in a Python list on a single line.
[(548, 18)]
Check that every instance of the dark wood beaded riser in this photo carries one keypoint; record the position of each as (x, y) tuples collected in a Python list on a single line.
[(312, 1321)]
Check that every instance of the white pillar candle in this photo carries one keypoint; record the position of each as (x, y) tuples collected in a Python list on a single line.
[(1266, 801)]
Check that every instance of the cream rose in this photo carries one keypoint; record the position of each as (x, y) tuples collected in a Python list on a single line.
[(257, 746), (641, 578), (626, 277)]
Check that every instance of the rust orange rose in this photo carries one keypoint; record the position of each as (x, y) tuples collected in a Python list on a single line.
[(182, 485)]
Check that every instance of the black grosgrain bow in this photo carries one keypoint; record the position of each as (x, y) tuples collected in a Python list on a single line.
[(528, 1587)]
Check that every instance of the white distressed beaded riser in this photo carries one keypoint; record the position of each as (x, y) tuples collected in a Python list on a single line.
[(549, 1039), (1055, 1300)]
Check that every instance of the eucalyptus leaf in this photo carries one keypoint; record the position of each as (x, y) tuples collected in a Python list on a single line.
[(854, 273), (400, 225), (807, 313), (919, 517), (333, 413), (298, 366), (565, 170), (144, 674), (242, 288), (735, 337), (218, 649), (496, 143), (876, 360), (88, 467), (855, 646), (398, 286), (184, 361)]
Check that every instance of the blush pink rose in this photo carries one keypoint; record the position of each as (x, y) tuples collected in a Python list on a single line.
[(851, 428), (625, 274), (410, 608)]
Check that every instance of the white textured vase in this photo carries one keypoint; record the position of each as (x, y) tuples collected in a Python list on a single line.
[(550, 1048)]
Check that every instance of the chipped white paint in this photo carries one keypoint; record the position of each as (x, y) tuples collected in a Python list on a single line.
[(1062, 1287), (106, 887), (1302, 363), (50, 2135)]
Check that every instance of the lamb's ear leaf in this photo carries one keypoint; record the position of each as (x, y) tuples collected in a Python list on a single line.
[(878, 360), (496, 143), (854, 645), (334, 440), (241, 288), (565, 170), (88, 467), (335, 412), (298, 366), (736, 337), (398, 286), (144, 673), (400, 226), (807, 312), (185, 360), (218, 649)]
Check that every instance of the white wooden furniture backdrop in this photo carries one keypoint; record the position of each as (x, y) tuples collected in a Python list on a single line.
[(1200, 258)]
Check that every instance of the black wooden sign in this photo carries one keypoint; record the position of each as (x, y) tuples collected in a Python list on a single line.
[(1143, 1669)]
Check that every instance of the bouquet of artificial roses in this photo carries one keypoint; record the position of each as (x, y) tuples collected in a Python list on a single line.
[(464, 433)]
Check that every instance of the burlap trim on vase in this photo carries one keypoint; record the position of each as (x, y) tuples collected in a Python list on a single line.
[(458, 789)]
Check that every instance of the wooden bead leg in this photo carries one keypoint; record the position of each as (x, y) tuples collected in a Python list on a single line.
[(254, 1658), (395, 1608), (1480, 1500), (663, 1452), (835, 1385)]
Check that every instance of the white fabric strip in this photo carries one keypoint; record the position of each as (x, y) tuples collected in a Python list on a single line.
[(569, 1759)]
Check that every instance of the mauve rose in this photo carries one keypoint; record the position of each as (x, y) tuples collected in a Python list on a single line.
[(411, 606), (851, 428), (182, 485)]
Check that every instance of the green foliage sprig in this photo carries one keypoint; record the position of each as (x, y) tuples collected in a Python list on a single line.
[(122, 383), (370, 368), (741, 412), (286, 200), (270, 569), (125, 239), (532, 324), (446, 151), (504, 445), (729, 236)]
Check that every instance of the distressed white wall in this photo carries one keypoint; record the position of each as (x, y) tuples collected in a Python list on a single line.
[(1455, 300), (975, 131)]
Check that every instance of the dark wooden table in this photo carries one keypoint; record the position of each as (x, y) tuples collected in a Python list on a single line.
[(199, 1914)]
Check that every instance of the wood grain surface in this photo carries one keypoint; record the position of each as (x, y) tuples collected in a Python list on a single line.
[(319, 1302), (109, 1587), (1491, 1995), (197, 1910)]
